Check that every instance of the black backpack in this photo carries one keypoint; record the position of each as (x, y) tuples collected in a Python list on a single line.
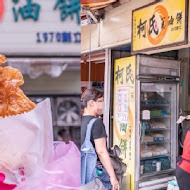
[(119, 166)]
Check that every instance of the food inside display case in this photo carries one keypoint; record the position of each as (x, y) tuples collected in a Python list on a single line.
[(155, 165), (155, 132), (153, 150)]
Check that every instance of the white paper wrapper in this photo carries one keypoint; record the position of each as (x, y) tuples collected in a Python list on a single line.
[(26, 143)]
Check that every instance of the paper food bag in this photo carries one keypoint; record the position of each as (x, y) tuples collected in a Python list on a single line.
[(61, 174), (26, 143)]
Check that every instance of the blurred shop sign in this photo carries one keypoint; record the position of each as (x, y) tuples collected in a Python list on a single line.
[(159, 25), (40, 27), (35, 67)]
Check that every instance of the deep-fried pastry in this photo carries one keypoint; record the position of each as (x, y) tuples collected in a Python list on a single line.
[(12, 99)]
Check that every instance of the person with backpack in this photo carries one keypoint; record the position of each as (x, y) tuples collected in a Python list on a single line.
[(93, 139), (183, 165)]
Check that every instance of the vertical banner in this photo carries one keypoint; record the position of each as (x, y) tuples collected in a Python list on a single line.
[(124, 111)]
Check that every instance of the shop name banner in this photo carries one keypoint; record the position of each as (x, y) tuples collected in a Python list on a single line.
[(40, 27), (159, 25), (124, 111)]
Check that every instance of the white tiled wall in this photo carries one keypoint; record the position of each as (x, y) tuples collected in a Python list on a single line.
[(114, 30)]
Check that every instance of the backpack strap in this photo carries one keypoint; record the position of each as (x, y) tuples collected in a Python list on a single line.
[(89, 128)]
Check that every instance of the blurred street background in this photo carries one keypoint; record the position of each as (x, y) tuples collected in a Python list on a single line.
[(42, 38)]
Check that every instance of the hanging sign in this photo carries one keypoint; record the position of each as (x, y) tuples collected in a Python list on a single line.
[(159, 25)]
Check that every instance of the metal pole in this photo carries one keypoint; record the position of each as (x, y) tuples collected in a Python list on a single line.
[(89, 58)]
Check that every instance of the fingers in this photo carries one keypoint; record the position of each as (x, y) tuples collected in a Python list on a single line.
[(115, 187)]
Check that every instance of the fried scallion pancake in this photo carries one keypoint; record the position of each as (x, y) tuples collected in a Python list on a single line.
[(13, 101)]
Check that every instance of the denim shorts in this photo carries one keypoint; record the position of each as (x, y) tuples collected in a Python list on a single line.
[(105, 179)]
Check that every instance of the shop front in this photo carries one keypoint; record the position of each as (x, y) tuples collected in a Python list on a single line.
[(146, 82), (93, 70)]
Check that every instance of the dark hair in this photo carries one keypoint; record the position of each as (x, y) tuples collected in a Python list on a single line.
[(90, 94), (65, 135), (62, 132)]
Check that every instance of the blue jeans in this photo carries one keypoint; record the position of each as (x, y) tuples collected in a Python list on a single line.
[(105, 179)]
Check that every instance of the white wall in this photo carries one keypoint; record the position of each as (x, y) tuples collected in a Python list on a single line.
[(115, 29)]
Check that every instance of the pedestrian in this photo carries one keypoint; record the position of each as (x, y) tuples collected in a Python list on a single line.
[(92, 103), (183, 165), (64, 135)]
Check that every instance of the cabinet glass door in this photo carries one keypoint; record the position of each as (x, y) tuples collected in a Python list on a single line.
[(157, 112)]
